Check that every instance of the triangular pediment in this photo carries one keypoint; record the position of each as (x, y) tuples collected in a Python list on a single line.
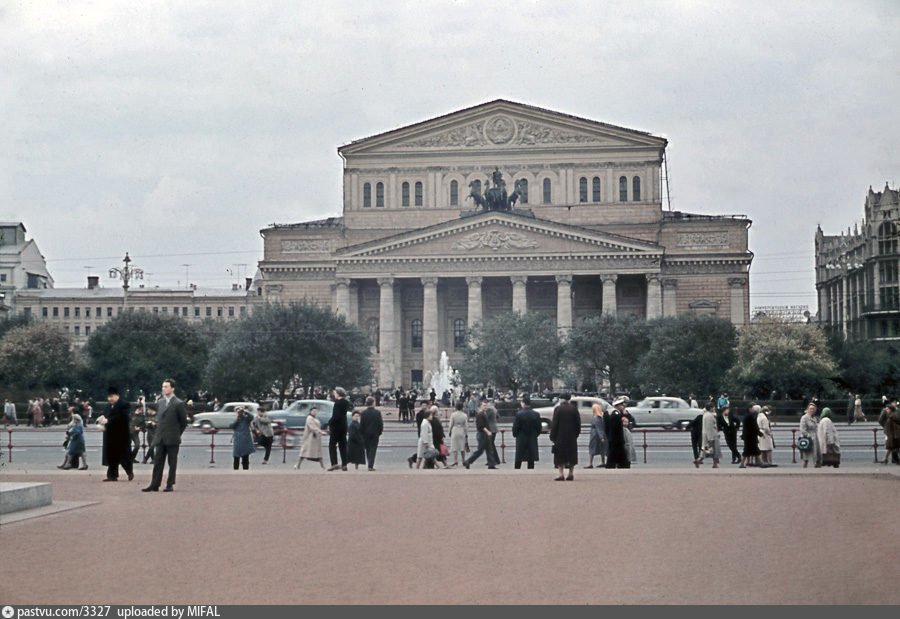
[(503, 125), (492, 234)]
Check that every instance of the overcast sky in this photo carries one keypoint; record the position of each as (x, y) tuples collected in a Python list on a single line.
[(177, 130)]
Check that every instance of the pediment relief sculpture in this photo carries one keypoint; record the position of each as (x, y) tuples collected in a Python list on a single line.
[(495, 240), (501, 130)]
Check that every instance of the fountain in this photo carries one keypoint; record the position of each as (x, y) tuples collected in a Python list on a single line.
[(446, 378)]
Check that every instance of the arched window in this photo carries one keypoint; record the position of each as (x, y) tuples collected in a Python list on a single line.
[(595, 190), (623, 189), (404, 194), (459, 333), (636, 189), (523, 190), (379, 194), (418, 193), (887, 238), (546, 197), (582, 189), (367, 194), (454, 193), (415, 333), (372, 330)]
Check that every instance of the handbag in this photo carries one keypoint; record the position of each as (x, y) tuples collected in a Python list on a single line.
[(831, 458), (445, 451), (804, 444), (706, 451)]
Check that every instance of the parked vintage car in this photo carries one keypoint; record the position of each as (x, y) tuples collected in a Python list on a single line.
[(665, 412), (583, 403), (223, 417)]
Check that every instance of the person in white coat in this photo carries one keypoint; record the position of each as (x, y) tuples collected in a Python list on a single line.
[(829, 442), (766, 440), (311, 447), (459, 426), (809, 427), (425, 446), (710, 447)]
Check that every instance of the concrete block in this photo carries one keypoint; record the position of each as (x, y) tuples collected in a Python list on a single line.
[(16, 496)]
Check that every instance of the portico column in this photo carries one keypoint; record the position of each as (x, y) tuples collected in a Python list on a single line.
[(737, 300), (654, 297), (669, 288), (474, 313), (564, 304), (519, 296), (609, 294), (353, 318), (386, 345), (430, 341), (342, 297)]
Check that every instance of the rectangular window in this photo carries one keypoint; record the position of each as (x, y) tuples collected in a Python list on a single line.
[(44, 312), (243, 311), (87, 331), (209, 311), (77, 312), (165, 310), (26, 311), (231, 311), (77, 330), (155, 310), (2, 278), (184, 312), (87, 312), (99, 312), (367, 195), (109, 312), (56, 312), (416, 378), (196, 312), (65, 312), (219, 312)]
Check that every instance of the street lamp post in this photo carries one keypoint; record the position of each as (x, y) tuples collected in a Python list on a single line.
[(126, 274)]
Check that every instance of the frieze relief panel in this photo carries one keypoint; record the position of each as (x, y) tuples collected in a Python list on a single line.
[(703, 239), (501, 130), (306, 246), (495, 240)]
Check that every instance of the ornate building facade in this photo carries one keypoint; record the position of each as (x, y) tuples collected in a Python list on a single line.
[(857, 273), (495, 208)]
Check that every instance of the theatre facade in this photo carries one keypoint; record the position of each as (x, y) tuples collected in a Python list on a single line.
[(496, 208)]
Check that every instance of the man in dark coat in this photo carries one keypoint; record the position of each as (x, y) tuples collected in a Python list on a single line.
[(371, 426), (730, 425), (618, 456), (564, 431), (484, 441), (117, 437), (171, 420), (696, 427), (526, 428), (337, 429)]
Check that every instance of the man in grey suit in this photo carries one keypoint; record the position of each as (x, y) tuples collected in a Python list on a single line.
[(171, 420)]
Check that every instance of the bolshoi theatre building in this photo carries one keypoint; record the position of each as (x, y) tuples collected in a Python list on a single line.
[(496, 208)]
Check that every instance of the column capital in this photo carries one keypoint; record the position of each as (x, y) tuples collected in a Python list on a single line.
[(385, 281), (429, 281), (342, 281), (652, 277), (669, 283), (609, 278), (563, 280), (474, 281), (737, 282), (518, 279)]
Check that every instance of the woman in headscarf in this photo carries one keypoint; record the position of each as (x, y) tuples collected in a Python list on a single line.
[(597, 442), (709, 437), (311, 447), (828, 440), (809, 427), (356, 447), (766, 440)]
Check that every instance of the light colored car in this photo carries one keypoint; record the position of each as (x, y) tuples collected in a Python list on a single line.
[(583, 403), (222, 418), (664, 412)]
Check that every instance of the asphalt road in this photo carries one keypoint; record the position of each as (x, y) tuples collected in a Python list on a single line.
[(41, 449)]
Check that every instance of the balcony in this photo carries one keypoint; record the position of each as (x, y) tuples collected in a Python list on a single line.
[(878, 308)]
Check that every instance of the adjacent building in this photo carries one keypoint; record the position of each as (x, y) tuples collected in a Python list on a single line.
[(495, 208), (22, 266), (857, 273)]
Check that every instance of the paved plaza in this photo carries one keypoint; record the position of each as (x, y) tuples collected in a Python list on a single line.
[(643, 536)]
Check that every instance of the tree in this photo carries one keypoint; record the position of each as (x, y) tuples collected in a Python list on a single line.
[(279, 347), (608, 347), (687, 354), (783, 357), (866, 367), (36, 357), (512, 350), (135, 351)]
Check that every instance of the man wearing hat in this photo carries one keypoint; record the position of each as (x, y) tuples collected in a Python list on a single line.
[(337, 429), (117, 437), (618, 457)]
